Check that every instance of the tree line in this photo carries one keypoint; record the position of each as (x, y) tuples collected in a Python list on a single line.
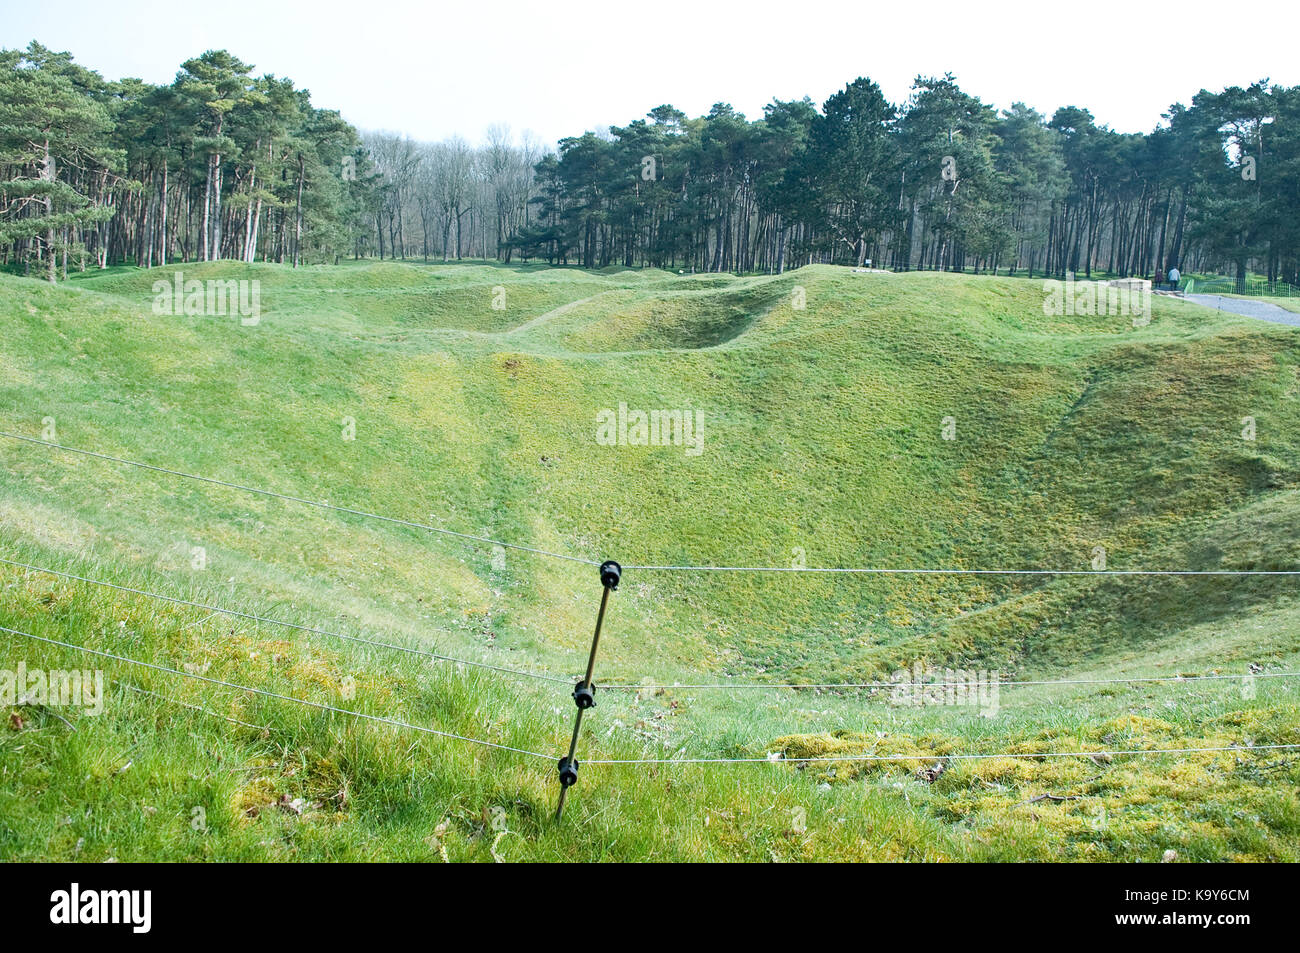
[(941, 182), (225, 164), (219, 164)]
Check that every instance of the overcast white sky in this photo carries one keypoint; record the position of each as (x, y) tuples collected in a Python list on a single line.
[(436, 69)]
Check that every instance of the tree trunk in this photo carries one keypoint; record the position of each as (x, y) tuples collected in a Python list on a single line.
[(297, 238), (47, 175)]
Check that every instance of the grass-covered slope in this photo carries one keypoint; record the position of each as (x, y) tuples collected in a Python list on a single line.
[(825, 396)]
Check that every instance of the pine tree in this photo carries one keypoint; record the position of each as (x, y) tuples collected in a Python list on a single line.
[(49, 122)]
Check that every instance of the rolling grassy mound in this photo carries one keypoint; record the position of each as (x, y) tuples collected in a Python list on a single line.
[(826, 400)]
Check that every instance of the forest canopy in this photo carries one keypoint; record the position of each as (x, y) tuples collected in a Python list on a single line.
[(226, 163)]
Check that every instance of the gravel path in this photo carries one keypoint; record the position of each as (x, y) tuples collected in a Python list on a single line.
[(1250, 309)]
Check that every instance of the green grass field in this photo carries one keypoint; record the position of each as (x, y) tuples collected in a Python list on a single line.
[(472, 393)]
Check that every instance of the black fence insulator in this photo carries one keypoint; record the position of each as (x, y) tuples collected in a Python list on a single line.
[(568, 772), (584, 695)]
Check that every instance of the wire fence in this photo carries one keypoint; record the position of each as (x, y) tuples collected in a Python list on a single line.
[(956, 756), (901, 571), (647, 682), (1224, 284), (1001, 682), (772, 758), (265, 729), (680, 758), (321, 706), (265, 620)]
